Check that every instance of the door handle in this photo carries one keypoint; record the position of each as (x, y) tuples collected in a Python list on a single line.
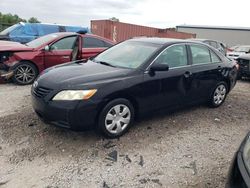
[(187, 74), (65, 57)]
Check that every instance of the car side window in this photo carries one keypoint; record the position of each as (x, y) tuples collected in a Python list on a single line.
[(200, 54), (174, 56), (91, 42), (214, 57), (214, 44), (64, 44)]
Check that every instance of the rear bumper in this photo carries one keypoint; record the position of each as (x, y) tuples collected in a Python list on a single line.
[(72, 115)]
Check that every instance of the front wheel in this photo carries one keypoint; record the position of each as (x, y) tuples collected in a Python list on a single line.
[(25, 73), (219, 95), (116, 118)]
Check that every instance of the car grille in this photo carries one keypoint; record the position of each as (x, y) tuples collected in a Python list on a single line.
[(41, 92)]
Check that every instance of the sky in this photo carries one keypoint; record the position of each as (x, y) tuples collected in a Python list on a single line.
[(153, 13)]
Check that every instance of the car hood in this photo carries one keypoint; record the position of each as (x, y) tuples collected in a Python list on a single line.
[(13, 46), (79, 74)]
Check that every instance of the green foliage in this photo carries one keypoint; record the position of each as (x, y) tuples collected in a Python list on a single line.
[(33, 20), (10, 19), (13, 19), (114, 19), (7, 20)]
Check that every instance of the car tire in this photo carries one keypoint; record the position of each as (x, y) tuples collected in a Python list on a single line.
[(218, 95), (25, 73), (116, 118)]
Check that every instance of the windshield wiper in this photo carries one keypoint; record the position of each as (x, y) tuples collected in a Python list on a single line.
[(105, 63)]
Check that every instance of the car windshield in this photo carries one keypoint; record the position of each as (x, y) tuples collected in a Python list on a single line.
[(9, 29), (128, 54), (242, 49), (42, 40)]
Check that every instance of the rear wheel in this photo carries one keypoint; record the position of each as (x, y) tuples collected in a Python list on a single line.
[(219, 95), (116, 118), (25, 73)]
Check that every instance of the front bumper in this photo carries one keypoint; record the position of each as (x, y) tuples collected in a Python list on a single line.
[(74, 115), (238, 176)]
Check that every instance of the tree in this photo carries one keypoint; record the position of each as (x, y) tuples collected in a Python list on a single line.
[(114, 19), (33, 20), (10, 19)]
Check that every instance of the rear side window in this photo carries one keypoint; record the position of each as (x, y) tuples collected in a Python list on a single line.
[(213, 43), (214, 57), (200, 54), (64, 44), (174, 56), (91, 42)]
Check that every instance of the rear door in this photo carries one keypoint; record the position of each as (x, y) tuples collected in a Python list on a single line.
[(60, 51), (205, 72), (93, 46)]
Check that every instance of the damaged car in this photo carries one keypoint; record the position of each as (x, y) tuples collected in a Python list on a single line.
[(244, 66), (23, 62)]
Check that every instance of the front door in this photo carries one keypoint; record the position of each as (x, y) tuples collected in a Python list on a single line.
[(168, 88), (60, 51)]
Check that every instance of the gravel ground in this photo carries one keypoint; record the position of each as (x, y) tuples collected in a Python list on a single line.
[(188, 148)]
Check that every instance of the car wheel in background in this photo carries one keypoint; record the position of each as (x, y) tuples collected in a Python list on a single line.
[(116, 118), (219, 95), (25, 73)]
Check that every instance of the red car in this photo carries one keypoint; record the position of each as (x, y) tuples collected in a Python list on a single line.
[(23, 63)]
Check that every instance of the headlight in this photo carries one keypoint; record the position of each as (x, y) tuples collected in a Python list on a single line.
[(71, 95), (246, 153)]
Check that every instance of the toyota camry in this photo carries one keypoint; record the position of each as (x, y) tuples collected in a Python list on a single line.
[(131, 79)]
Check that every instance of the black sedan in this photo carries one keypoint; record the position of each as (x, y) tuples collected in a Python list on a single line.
[(132, 78), (239, 174)]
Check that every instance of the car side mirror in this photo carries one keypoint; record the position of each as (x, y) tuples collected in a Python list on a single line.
[(47, 48), (159, 67)]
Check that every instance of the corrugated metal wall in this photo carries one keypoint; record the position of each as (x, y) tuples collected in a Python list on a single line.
[(227, 36), (118, 31)]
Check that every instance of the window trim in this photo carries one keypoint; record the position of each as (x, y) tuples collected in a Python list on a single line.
[(178, 44)]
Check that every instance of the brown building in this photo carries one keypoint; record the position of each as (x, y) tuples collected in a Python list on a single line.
[(118, 31)]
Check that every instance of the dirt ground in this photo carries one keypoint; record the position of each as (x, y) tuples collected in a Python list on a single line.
[(188, 148)]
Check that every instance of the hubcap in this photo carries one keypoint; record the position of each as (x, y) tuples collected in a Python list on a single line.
[(117, 119), (219, 94), (25, 74)]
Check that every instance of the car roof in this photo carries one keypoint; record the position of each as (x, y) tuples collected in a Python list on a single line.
[(156, 40), (62, 34), (165, 41), (202, 40)]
